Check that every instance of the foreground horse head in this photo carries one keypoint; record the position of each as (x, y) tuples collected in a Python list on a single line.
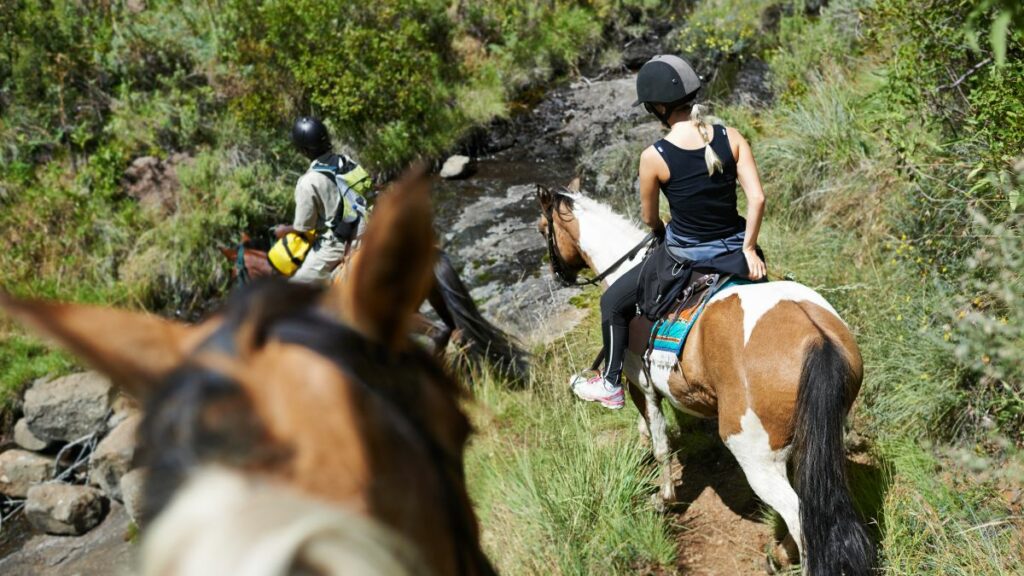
[(772, 362), (296, 431)]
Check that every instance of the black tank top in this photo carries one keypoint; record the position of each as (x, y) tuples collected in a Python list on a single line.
[(703, 207)]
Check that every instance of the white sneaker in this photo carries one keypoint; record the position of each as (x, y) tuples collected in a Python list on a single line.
[(597, 389)]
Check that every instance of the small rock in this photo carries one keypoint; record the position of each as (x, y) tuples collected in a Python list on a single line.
[(64, 508), (457, 166), (20, 469), (124, 406), (68, 408), (113, 457), (132, 486), (26, 439)]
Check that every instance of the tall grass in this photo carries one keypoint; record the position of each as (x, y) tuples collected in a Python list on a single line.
[(562, 487)]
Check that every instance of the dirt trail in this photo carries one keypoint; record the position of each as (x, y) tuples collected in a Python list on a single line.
[(720, 523)]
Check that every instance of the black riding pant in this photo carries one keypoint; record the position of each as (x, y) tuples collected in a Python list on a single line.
[(618, 307)]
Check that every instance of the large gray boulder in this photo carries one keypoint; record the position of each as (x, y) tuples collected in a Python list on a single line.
[(64, 508), (26, 439), (132, 490), (113, 457), (20, 469), (68, 408)]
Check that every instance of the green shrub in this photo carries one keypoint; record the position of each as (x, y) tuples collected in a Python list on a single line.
[(718, 29), (986, 333), (175, 264), (379, 71)]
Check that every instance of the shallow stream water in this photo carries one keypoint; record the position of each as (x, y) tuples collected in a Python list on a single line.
[(488, 225)]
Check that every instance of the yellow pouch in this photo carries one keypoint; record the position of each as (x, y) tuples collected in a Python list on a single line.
[(287, 254)]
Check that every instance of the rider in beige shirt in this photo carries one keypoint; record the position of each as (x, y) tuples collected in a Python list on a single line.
[(317, 200)]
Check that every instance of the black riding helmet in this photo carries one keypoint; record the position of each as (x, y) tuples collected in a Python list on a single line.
[(311, 137), (666, 79)]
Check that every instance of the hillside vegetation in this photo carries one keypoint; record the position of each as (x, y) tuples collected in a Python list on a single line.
[(892, 155), (210, 90)]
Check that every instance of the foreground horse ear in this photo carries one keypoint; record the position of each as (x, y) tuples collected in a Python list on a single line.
[(574, 185), (392, 271), (135, 350)]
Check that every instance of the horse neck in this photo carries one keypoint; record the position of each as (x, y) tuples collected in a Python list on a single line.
[(605, 237)]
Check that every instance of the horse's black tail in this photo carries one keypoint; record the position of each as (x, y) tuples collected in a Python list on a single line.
[(835, 542), (484, 339)]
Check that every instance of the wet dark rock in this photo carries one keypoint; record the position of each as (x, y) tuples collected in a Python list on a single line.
[(753, 86), (503, 264), (66, 509), (20, 470), (26, 439), (640, 50), (68, 408), (771, 17), (113, 457), (813, 7)]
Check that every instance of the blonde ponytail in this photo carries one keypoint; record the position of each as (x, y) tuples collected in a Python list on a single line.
[(714, 163)]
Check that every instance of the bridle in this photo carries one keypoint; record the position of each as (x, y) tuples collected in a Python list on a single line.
[(287, 314), (241, 269), (559, 266)]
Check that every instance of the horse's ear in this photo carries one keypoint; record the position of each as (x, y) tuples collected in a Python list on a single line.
[(574, 185), (135, 350), (545, 197), (393, 269)]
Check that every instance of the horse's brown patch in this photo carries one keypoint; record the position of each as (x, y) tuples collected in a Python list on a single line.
[(711, 365), (774, 359)]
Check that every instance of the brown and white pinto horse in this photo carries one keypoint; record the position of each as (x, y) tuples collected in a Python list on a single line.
[(773, 362), (296, 432)]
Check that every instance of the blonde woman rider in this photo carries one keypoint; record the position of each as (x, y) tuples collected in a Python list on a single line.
[(697, 165)]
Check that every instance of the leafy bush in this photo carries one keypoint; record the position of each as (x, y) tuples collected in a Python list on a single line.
[(718, 29), (987, 332)]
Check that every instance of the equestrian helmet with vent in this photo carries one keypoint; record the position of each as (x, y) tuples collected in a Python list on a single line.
[(665, 79)]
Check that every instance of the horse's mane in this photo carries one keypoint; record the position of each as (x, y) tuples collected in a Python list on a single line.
[(224, 522)]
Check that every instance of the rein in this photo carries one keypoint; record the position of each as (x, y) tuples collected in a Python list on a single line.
[(560, 267), (241, 270)]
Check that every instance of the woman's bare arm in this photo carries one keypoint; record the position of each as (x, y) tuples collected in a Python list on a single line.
[(750, 181)]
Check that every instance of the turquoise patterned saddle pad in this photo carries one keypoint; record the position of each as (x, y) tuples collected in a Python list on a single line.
[(669, 333)]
